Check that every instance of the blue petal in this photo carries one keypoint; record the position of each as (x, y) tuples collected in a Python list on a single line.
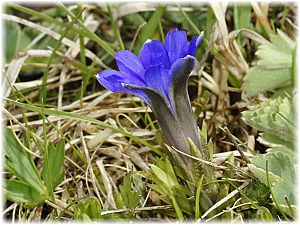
[(154, 78), (115, 81), (111, 80), (158, 78), (129, 63), (176, 44), (195, 42), (153, 53)]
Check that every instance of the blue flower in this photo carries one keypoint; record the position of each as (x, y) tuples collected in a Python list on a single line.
[(159, 76)]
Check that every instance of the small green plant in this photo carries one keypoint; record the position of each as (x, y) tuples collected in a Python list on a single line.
[(88, 210), (28, 185), (190, 192), (275, 118)]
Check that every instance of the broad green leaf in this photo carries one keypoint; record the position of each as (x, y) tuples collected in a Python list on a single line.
[(282, 41), (282, 189), (271, 140), (53, 171), (288, 151), (273, 68), (281, 175), (79, 216), (268, 53), (21, 192), (259, 79), (280, 166), (20, 163), (157, 188), (181, 190)]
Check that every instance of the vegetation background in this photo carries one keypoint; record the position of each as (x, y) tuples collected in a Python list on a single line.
[(74, 151)]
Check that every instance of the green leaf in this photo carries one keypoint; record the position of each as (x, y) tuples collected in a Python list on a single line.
[(259, 79), (182, 190), (89, 210), (79, 216), (282, 41), (149, 29), (130, 198), (263, 214), (170, 173), (197, 201), (177, 208), (21, 192), (280, 166), (53, 171), (258, 192), (162, 176), (93, 208), (273, 68), (271, 140), (281, 175), (12, 36), (119, 201), (275, 117), (242, 18), (20, 163)]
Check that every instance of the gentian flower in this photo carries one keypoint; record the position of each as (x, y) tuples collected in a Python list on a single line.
[(159, 76)]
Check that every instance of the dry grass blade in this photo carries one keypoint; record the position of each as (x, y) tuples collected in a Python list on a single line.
[(229, 53), (137, 159), (249, 34), (209, 83), (89, 168), (229, 196), (219, 10), (12, 73), (261, 16), (200, 160), (220, 75), (150, 208), (107, 183), (92, 24), (130, 8)]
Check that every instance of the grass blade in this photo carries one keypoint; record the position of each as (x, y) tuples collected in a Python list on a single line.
[(43, 91), (149, 28)]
